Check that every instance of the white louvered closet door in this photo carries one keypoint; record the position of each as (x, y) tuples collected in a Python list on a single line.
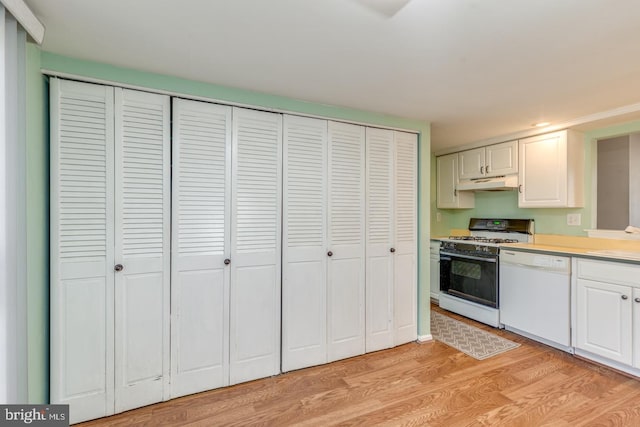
[(304, 257), (200, 245), (379, 231), (82, 372), (406, 238), (346, 269), (142, 214), (255, 245)]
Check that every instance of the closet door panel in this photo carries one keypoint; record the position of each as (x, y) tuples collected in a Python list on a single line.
[(142, 213), (304, 289), (81, 246), (346, 269), (379, 232), (255, 245), (201, 189), (406, 237)]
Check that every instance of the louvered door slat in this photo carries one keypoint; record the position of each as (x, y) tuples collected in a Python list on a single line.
[(201, 223), (255, 245), (81, 246), (346, 295), (304, 288), (379, 231), (406, 237), (142, 203)]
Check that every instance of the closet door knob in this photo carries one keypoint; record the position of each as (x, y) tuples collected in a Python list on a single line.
[(329, 253), (118, 267), (227, 261)]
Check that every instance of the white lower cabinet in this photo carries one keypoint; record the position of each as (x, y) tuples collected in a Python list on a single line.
[(434, 269), (606, 325)]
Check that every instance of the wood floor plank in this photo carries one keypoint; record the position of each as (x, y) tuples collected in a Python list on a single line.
[(415, 385)]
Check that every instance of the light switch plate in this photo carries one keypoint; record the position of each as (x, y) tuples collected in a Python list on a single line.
[(574, 219)]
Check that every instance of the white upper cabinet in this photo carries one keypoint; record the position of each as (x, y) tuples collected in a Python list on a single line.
[(501, 159), (485, 162), (471, 163), (551, 170), (447, 197)]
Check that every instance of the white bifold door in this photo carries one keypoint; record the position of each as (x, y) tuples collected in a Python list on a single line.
[(110, 201), (323, 242), (226, 245), (391, 227)]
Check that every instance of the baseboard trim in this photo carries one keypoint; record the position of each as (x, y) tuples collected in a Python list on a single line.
[(425, 338)]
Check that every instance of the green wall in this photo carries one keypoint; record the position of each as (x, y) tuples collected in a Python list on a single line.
[(505, 203), (37, 188), (38, 185)]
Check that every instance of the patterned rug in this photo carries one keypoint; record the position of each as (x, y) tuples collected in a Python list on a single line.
[(475, 342)]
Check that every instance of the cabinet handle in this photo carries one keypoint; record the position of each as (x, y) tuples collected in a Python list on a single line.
[(392, 250), (520, 188), (481, 170), (637, 300), (118, 267), (329, 253), (486, 169), (455, 192), (227, 261), (624, 297)]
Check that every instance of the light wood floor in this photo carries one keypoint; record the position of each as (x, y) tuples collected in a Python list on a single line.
[(416, 384)]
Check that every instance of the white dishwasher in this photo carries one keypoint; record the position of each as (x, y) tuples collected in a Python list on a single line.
[(535, 294)]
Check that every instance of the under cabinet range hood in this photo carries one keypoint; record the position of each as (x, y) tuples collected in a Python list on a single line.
[(496, 183)]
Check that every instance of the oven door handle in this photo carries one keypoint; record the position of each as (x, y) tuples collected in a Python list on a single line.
[(475, 258)]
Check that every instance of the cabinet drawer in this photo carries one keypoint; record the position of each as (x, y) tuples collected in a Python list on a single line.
[(609, 272)]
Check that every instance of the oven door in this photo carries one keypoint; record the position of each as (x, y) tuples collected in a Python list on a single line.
[(470, 277)]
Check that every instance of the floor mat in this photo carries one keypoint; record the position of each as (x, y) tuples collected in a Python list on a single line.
[(475, 342)]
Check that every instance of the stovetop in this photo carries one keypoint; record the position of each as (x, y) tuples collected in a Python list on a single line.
[(482, 239)]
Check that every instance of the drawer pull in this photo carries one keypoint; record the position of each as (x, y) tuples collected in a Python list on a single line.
[(625, 297), (637, 300)]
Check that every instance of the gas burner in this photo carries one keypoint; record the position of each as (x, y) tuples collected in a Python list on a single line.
[(481, 239)]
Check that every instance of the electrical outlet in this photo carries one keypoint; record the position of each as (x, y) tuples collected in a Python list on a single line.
[(574, 219), (438, 217)]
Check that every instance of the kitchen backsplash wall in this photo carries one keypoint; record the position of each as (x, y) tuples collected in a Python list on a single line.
[(505, 203)]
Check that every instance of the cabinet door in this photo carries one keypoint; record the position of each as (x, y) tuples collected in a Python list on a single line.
[(471, 163), (604, 319), (200, 240), (142, 242), (380, 238), (434, 272), (82, 252), (304, 256), (346, 269), (447, 197), (405, 280), (255, 245), (502, 159), (543, 171), (636, 328)]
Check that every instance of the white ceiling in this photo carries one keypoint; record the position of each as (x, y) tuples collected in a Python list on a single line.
[(475, 69)]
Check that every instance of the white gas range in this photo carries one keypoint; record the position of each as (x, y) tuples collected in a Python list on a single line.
[(469, 279)]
